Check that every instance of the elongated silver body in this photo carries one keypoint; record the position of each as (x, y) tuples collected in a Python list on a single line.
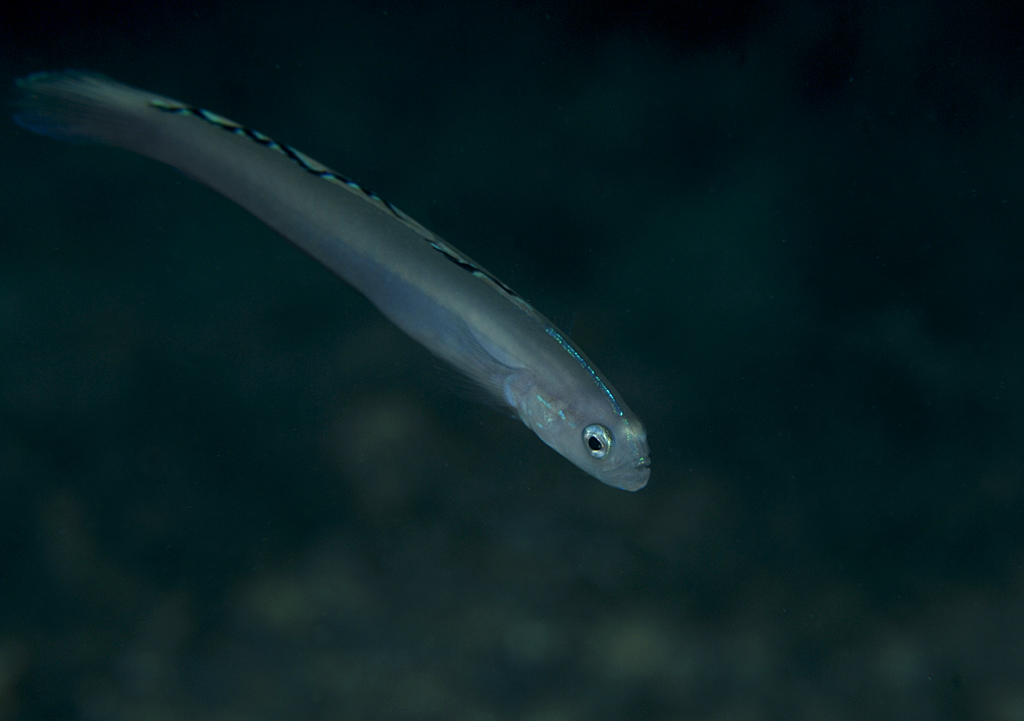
[(441, 298)]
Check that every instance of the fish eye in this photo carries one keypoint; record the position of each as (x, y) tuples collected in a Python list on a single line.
[(598, 440)]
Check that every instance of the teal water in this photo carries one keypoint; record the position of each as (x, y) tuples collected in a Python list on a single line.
[(789, 234)]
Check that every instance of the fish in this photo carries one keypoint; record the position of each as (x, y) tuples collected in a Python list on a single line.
[(441, 298)]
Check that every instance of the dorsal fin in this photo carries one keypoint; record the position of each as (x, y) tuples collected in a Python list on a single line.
[(322, 171)]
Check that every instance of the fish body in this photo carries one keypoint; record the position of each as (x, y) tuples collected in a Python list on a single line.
[(438, 296)]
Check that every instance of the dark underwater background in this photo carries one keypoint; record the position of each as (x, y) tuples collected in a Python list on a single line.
[(790, 233)]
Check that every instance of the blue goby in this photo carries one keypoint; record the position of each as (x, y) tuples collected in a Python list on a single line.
[(444, 300)]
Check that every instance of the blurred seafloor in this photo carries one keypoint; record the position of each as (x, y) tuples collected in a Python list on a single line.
[(789, 232)]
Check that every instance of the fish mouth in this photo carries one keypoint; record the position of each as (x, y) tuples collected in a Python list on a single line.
[(634, 484), (634, 477)]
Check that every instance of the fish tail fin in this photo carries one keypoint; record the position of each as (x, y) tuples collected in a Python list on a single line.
[(81, 107)]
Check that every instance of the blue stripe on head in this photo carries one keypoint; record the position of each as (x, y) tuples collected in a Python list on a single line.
[(586, 366)]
